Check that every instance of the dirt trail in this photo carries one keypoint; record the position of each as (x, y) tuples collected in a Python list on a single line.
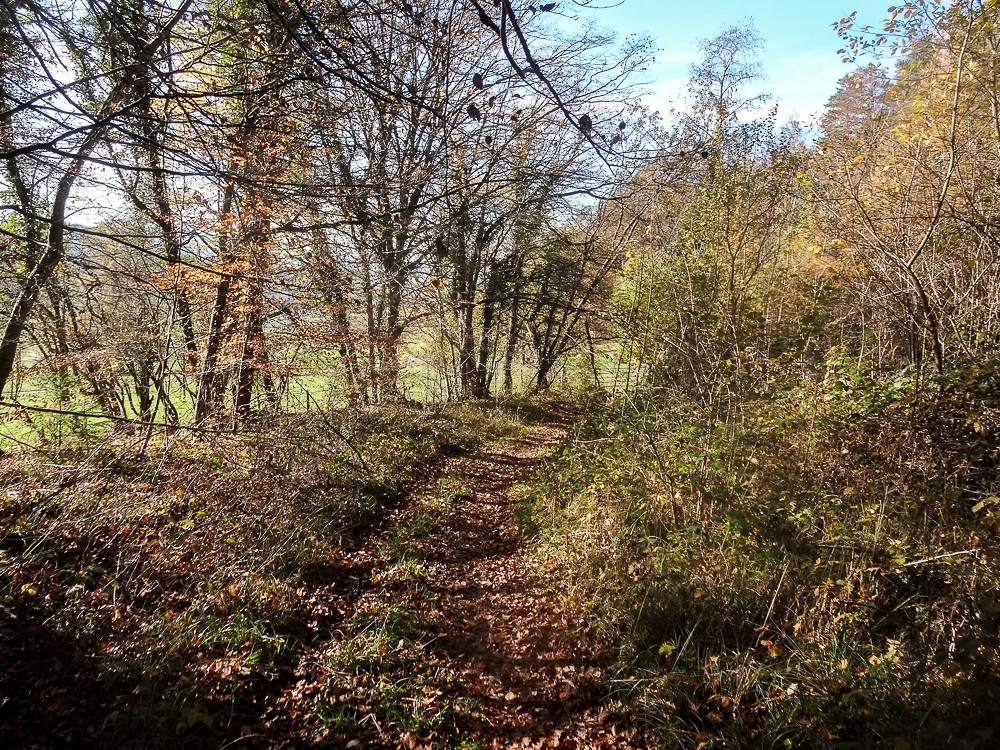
[(504, 634)]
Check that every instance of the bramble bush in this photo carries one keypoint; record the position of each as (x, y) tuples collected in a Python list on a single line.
[(808, 566)]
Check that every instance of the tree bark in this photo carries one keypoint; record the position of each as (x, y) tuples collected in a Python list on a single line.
[(210, 383)]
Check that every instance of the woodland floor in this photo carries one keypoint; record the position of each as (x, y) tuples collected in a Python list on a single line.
[(436, 628)]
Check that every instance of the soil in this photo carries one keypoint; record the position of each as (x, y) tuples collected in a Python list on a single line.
[(504, 633)]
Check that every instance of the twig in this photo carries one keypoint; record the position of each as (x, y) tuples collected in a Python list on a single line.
[(774, 599), (113, 418), (941, 557)]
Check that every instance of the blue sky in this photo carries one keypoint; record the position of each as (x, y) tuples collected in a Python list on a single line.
[(800, 60)]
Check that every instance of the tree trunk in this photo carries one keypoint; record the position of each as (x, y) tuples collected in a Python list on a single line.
[(210, 383), (389, 363), (489, 315), (513, 333), (356, 393), (250, 357), (51, 255), (164, 218), (543, 377)]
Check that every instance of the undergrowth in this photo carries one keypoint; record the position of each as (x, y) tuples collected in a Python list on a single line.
[(812, 565), (195, 590)]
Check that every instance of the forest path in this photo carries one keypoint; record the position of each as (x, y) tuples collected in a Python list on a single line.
[(516, 680)]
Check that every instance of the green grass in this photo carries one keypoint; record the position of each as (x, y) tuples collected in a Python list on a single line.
[(385, 680)]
